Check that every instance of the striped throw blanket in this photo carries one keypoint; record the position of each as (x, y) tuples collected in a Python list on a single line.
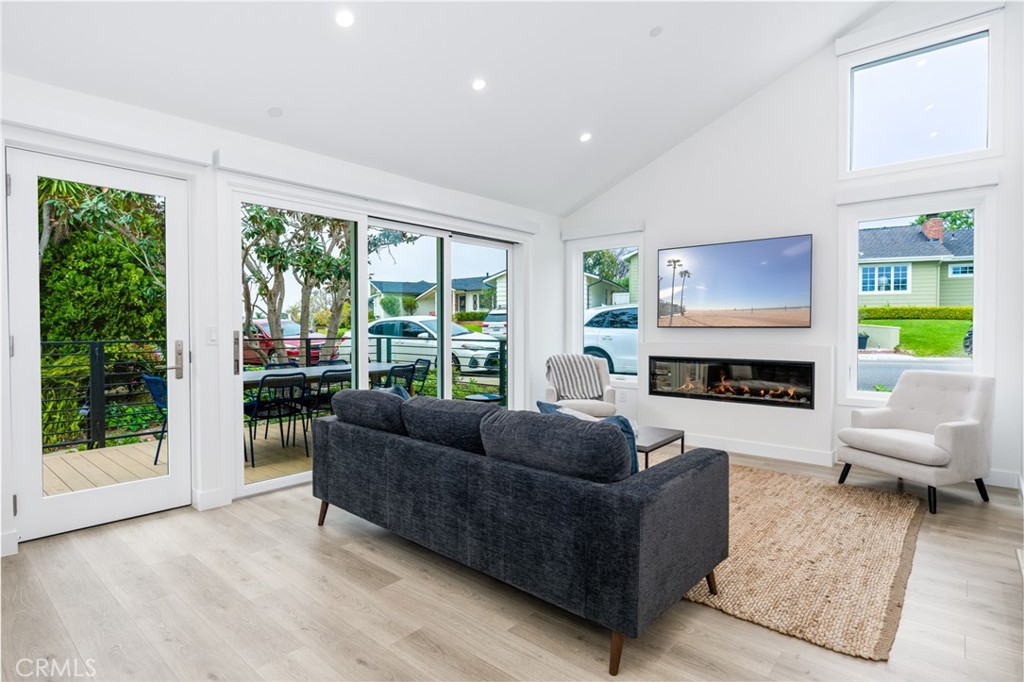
[(575, 377)]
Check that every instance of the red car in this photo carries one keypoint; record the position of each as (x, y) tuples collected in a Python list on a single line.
[(295, 345)]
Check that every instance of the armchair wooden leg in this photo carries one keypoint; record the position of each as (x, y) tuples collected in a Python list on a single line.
[(323, 513), (846, 472), (981, 489), (931, 499), (618, 639), (712, 584)]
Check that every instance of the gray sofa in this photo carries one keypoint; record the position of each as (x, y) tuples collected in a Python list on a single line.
[(544, 503)]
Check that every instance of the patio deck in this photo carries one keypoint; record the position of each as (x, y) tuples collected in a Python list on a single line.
[(65, 472)]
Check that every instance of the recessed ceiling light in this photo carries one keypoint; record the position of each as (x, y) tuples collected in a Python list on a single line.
[(656, 31), (929, 107), (934, 133), (479, 84), (921, 62), (345, 18), (585, 137), (275, 112)]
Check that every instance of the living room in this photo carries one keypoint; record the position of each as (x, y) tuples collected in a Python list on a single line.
[(769, 162)]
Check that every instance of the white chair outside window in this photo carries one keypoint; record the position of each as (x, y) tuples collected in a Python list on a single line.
[(935, 430)]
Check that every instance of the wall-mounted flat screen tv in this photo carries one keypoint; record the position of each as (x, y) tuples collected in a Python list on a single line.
[(754, 283)]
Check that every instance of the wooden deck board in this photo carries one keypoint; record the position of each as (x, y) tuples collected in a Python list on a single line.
[(67, 472)]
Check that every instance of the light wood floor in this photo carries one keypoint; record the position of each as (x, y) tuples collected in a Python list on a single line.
[(65, 472), (256, 590)]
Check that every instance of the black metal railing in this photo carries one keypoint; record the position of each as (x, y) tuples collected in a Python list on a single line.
[(92, 391)]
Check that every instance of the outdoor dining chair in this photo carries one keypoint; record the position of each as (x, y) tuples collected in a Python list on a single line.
[(281, 365), (158, 389), (421, 372), (331, 381), (403, 373), (280, 397)]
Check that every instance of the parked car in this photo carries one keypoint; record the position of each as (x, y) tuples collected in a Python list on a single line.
[(496, 323), (610, 332), (415, 336), (969, 341), (295, 345)]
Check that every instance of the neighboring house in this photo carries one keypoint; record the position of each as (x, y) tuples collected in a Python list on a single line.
[(919, 265), (633, 258), (468, 294), (601, 291), (499, 281), (380, 289)]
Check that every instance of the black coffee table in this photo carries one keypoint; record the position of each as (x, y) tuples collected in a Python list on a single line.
[(650, 438)]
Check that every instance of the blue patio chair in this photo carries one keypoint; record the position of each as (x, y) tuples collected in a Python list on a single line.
[(403, 373), (158, 389), (319, 401), (421, 372)]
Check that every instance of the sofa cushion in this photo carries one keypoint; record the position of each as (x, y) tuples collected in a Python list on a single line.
[(378, 410), (618, 420), (596, 451), (455, 423)]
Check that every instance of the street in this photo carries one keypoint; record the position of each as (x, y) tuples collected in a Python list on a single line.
[(874, 369)]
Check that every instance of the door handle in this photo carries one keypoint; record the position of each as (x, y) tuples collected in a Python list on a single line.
[(179, 360), (238, 351)]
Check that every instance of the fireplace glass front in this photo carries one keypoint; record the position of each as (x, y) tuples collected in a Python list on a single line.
[(783, 383)]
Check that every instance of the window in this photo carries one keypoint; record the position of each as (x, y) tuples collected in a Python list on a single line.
[(960, 270), (929, 326), (921, 103), (883, 278)]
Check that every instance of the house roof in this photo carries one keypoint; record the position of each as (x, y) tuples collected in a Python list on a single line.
[(402, 288), (471, 283), (907, 241), (420, 288), (591, 280)]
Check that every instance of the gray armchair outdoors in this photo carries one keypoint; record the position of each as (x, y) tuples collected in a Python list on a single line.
[(566, 386), (935, 430)]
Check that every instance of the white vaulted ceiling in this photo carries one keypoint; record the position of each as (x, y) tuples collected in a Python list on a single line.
[(394, 91)]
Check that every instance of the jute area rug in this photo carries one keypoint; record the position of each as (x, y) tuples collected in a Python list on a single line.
[(822, 562)]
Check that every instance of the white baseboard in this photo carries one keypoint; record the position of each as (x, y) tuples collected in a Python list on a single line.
[(1004, 479), (9, 543), (210, 499), (749, 447)]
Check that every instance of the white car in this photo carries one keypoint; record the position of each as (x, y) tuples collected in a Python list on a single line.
[(610, 332), (404, 339), (496, 323)]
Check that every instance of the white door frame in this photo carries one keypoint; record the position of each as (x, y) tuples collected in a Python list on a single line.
[(37, 515)]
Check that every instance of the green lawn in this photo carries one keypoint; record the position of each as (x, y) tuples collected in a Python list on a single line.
[(929, 338), (477, 326)]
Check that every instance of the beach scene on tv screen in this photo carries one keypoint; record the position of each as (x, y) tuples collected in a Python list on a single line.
[(757, 283)]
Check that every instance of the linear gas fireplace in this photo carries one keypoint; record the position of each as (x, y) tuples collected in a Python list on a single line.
[(757, 382)]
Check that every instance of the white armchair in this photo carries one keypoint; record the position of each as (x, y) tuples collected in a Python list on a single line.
[(935, 430), (564, 390)]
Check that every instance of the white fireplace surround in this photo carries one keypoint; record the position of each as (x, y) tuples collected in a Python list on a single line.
[(795, 435)]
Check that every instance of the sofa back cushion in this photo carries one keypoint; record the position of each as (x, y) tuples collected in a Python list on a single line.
[(378, 410), (595, 451), (454, 423)]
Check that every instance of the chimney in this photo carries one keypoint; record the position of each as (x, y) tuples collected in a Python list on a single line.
[(932, 229)]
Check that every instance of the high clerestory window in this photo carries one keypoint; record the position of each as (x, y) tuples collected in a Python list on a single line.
[(921, 103)]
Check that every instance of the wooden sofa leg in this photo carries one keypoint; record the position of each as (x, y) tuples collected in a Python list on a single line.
[(323, 513), (618, 639), (712, 585)]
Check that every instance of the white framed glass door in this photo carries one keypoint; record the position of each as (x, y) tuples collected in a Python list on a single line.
[(98, 312)]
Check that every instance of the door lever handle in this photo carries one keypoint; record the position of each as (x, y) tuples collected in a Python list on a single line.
[(179, 360)]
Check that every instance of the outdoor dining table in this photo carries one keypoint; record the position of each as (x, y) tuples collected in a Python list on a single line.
[(378, 370)]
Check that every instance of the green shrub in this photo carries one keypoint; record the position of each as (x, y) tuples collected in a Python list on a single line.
[(918, 312), (469, 316)]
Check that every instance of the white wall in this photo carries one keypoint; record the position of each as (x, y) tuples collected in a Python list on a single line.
[(769, 168), (38, 116)]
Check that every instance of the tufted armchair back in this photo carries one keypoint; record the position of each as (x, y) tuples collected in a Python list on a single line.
[(923, 399)]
